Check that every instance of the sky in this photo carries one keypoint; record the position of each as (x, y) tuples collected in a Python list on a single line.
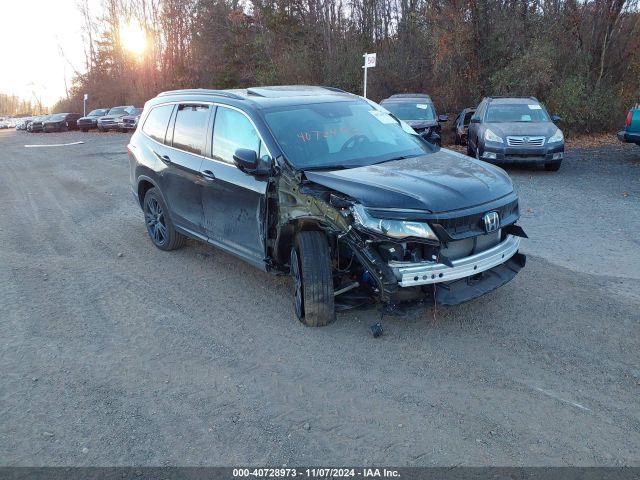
[(34, 34)]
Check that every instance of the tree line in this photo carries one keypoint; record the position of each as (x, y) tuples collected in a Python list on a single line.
[(14, 106), (579, 57)]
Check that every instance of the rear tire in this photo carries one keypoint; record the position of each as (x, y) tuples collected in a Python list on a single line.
[(312, 279), (159, 225), (552, 167)]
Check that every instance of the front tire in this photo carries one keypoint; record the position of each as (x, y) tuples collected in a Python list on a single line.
[(159, 226), (312, 279), (552, 167)]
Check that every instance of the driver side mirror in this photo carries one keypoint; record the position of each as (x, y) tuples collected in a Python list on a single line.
[(443, 118), (248, 162), (555, 118)]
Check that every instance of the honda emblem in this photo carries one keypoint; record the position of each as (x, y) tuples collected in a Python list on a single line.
[(491, 222)]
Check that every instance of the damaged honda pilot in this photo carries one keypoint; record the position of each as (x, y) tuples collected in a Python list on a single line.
[(330, 188)]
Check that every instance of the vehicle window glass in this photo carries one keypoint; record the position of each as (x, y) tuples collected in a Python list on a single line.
[(419, 110), (157, 121), (467, 118), (231, 131), (118, 111), (516, 112), (190, 128), (340, 134)]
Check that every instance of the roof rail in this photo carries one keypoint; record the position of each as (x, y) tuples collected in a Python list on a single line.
[(201, 91), (254, 92), (410, 95), (492, 97), (337, 90)]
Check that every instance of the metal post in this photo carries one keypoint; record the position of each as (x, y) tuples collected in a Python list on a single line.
[(365, 75), (84, 107)]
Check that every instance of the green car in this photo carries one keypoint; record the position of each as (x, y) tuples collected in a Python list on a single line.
[(631, 132)]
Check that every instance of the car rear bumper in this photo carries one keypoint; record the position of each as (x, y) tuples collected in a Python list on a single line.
[(628, 137), (410, 274), (503, 154)]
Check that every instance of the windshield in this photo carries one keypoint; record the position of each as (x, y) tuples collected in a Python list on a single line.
[(118, 111), (340, 134), (516, 112), (98, 113), (136, 112), (411, 110)]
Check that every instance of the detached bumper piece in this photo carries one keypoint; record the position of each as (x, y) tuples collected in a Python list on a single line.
[(463, 290)]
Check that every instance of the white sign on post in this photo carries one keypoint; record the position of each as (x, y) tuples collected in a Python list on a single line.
[(86, 97), (369, 62), (84, 104)]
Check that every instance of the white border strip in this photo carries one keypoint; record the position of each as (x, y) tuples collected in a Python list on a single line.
[(54, 145)]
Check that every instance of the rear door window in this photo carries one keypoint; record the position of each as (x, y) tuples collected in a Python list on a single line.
[(155, 126), (189, 132)]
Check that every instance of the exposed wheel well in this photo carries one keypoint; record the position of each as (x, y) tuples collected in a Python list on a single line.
[(287, 235)]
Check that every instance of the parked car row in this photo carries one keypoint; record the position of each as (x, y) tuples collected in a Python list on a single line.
[(124, 118)]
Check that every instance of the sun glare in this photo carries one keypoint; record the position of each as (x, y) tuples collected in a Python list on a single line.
[(133, 38)]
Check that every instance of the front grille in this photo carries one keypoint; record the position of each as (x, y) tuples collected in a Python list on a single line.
[(127, 120), (525, 141), (470, 225)]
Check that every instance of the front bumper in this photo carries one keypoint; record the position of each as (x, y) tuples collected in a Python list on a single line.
[(500, 153), (627, 137), (87, 124), (424, 273)]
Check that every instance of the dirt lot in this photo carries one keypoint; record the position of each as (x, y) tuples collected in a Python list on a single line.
[(115, 353)]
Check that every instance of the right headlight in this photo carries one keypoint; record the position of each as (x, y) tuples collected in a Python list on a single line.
[(398, 229), (489, 136), (557, 137)]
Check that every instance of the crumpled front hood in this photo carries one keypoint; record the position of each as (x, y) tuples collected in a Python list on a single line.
[(436, 182), (539, 129)]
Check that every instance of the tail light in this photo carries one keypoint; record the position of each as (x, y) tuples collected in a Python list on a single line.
[(629, 115)]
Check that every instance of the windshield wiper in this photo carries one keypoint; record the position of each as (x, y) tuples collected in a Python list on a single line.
[(401, 157)]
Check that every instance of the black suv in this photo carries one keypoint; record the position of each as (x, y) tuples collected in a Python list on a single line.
[(418, 111), (515, 130), (61, 122), (326, 186), (91, 120)]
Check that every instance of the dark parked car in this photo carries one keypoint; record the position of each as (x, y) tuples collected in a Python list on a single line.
[(461, 125), (130, 122), (631, 132), (91, 121), (37, 124), (328, 187), (417, 110), (111, 119), (61, 122), (515, 130)]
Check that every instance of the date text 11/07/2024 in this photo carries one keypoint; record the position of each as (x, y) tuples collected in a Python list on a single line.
[(315, 472)]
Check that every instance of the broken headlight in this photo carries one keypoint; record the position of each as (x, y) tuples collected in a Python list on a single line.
[(391, 228)]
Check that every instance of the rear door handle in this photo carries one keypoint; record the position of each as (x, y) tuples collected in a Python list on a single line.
[(208, 175), (164, 158)]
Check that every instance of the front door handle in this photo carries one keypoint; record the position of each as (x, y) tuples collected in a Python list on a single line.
[(208, 175)]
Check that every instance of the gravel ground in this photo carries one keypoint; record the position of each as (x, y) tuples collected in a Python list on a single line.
[(115, 353)]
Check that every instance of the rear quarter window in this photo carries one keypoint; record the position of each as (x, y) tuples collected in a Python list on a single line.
[(155, 126)]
